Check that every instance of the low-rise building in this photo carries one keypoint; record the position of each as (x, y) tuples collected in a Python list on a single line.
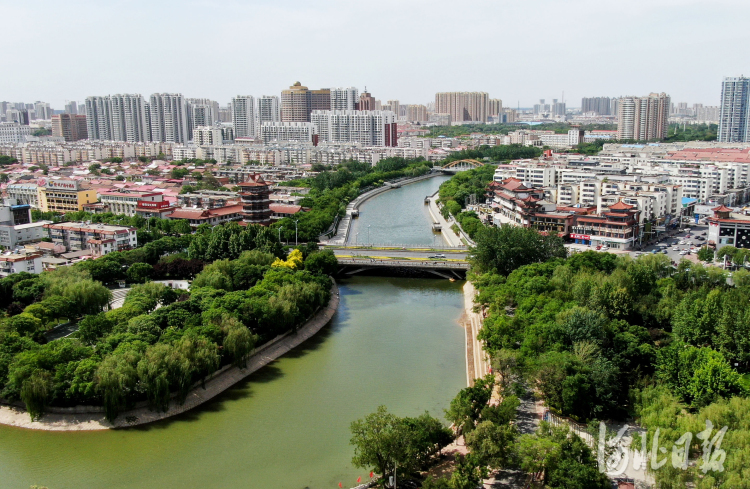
[(213, 217), (100, 239), (126, 201), (725, 230), (11, 263), (60, 195)]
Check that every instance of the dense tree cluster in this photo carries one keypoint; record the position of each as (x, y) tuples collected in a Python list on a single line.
[(158, 344), (383, 441), (505, 248)]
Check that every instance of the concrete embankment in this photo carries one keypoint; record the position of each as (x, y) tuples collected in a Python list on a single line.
[(445, 226), (83, 418)]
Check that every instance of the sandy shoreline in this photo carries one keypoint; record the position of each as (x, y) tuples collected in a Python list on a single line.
[(221, 381)]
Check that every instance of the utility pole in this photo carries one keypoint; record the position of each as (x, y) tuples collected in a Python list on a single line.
[(280, 228), (295, 232)]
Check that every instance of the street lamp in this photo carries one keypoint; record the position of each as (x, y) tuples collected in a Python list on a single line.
[(356, 239), (280, 228), (295, 232), (368, 236)]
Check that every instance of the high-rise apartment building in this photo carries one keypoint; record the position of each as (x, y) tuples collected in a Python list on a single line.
[(643, 118), (130, 118), (201, 112), (394, 106), (344, 98), (43, 110), (208, 136), (99, 118), (71, 108), (70, 127), (268, 109), (463, 106), (243, 116), (734, 117), (598, 105), (495, 107), (366, 127), (298, 102), (299, 132), (417, 113), (169, 122), (119, 117), (558, 108), (13, 132), (366, 101)]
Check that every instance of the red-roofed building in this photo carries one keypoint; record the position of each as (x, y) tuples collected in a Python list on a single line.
[(618, 227), (280, 211), (220, 215)]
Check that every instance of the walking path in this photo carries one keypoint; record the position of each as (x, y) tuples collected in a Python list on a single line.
[(477, 360), (445, 226), (220, 381)]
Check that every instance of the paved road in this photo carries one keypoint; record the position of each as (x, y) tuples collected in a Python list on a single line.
[(673, 251), (399, 253)]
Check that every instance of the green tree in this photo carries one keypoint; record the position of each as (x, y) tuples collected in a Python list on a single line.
[(377, 441), (323, 262), (506, 248), (36, 392), (706, 254), (139, 273), (492, 443), (466, 407), (239, 342)]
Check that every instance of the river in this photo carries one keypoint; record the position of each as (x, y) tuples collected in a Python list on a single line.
[(398, 217), (393, 341)]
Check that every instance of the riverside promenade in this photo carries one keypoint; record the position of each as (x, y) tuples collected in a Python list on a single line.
[(92, 418)]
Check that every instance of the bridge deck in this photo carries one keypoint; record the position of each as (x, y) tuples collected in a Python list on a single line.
[(423, 264)]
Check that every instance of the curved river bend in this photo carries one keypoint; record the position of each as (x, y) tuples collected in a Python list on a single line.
[(394, 341)]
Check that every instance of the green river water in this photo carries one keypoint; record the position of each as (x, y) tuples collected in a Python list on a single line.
[(393, 341)]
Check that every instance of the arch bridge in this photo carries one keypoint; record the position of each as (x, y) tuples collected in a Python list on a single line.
[(461, 165)]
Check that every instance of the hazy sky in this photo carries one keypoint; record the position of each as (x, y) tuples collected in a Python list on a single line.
[(519, 51)]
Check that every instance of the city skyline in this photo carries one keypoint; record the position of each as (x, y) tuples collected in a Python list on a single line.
[(390, 71)]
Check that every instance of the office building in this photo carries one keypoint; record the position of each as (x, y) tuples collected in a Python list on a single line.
[(598, 105), (63, 195), (169, 122), (243, 116), (344, 98), (365, 127), (126, 201), (69, 127), (298, 102), (643, 118), (288, 131), (734, 117), (268, 109), (463, 106), (13, 132)]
